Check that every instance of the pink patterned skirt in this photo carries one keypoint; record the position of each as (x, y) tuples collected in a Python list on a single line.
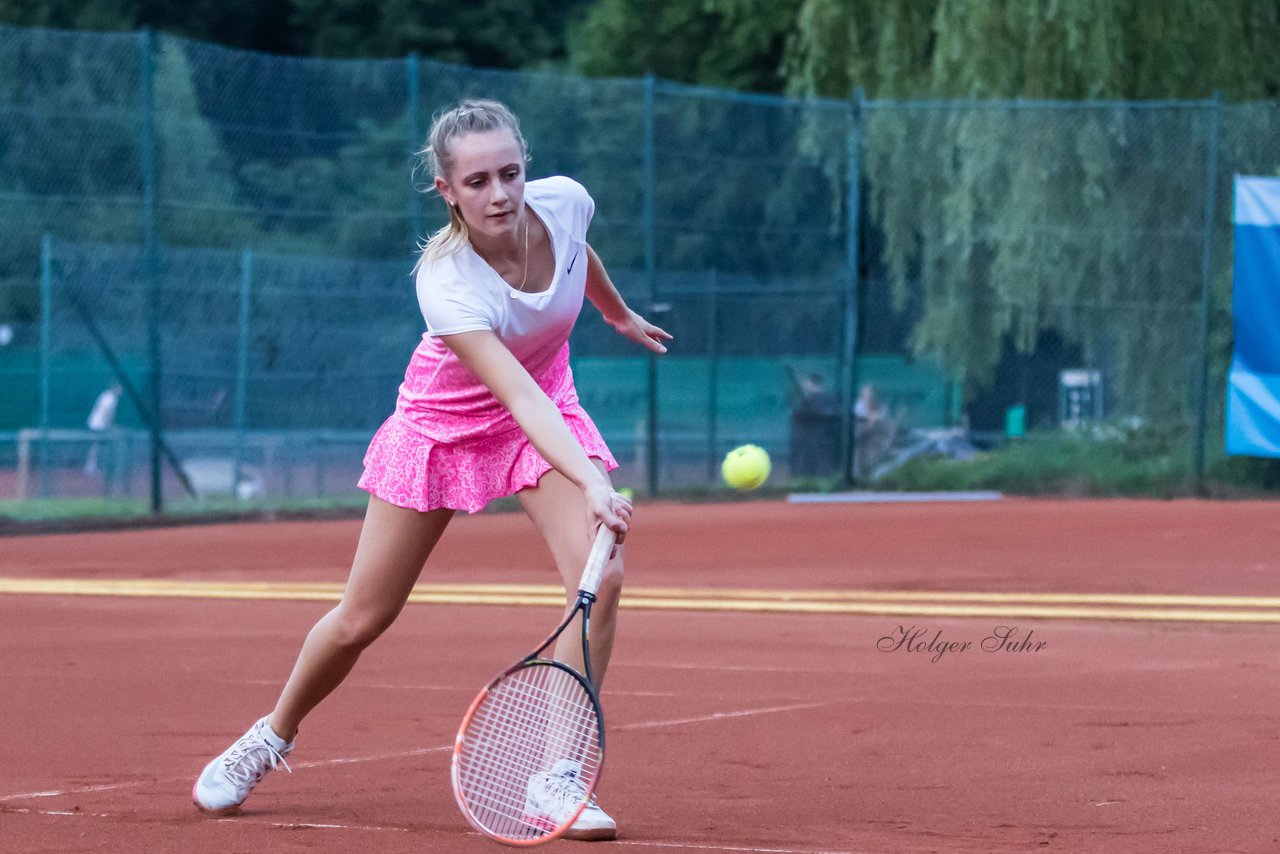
[(405, 468)]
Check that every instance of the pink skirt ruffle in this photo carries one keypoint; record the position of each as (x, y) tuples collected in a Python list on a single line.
[(405, 468)]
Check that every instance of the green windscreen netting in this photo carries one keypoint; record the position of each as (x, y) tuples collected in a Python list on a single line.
[(236, 231)]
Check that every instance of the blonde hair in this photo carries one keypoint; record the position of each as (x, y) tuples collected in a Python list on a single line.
[(470, 116)]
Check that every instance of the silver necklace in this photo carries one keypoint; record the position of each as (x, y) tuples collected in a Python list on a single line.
[(525, 277)]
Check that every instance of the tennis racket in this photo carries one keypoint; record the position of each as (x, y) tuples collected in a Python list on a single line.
[(531, 747)]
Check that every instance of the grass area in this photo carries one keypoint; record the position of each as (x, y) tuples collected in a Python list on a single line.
[(41, 510), (1046, 467), (1146, 463)]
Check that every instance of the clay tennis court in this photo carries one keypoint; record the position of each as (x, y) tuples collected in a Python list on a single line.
[(762, 698)]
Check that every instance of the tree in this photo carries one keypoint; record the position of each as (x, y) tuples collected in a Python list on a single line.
[(488, 33), (1000, 221), (735, 44), (1035, 48), (68, 150), (884, 47), (253, 24), (249, 24), (72, 14), (195, 187)]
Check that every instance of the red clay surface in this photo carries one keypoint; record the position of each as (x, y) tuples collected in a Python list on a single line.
[(727, 731)]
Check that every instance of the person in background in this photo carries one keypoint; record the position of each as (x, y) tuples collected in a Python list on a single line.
[(815, 425), (101, 419), (873, 431)]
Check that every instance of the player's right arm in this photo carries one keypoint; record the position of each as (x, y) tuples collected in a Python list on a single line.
[(484, 354), (626, 321)]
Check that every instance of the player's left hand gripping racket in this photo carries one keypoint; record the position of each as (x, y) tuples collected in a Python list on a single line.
[(531, 747)]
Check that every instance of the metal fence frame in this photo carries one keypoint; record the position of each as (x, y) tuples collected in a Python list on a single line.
[(649, 295)]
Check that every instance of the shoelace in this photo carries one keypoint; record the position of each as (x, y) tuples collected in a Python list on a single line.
[(245, 764), (566, 789)]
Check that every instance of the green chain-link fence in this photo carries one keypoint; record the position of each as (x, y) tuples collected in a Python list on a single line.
[(232, 233)]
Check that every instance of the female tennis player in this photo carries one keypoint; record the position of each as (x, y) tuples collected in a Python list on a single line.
[(487, 409)]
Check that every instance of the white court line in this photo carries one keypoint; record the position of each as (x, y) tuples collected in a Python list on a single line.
[(22, 796), (685, 846), (287, 825), (890, 497), (469, 689), (717, 716), (355, 760), (405, 686), (421, 751), (73, 813), (740, 668), (688, 846), (696, 847), (290, 825), (714, 716)]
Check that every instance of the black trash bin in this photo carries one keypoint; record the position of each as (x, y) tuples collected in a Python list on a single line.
[(815, 427)]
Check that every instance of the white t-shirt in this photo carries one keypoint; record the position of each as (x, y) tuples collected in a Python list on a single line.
[(103, 415), (462, 293)]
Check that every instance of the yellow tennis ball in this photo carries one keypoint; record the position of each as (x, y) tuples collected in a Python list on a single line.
[(746, 467), (627, 493)]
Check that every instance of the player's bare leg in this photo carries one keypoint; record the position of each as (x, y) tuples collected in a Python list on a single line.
[(394, 544), (558, 511)]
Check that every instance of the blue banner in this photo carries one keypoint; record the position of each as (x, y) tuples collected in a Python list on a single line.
[(1253, 386)]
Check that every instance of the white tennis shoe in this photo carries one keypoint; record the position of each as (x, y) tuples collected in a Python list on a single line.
[(227, 781), (553, 795)]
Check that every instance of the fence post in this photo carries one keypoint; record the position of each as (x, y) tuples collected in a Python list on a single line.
[(242, 361), (1206, 290), (46, 361), (848, 366), (651, 280), (415, 139), (713, 377), (147, 158)]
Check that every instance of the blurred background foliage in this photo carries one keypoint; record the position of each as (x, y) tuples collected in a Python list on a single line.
[(987, 235)]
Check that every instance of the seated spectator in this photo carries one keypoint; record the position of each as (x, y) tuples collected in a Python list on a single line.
[(873, 432)]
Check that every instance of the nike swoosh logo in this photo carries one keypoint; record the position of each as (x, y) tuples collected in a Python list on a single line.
[(572, 261)]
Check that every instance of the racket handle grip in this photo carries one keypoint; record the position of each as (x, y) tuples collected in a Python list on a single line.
[(600, 551)]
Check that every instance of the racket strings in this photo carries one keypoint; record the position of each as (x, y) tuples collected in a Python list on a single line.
[(521, 715), (500, 800), (539, 720), (525, 735)]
